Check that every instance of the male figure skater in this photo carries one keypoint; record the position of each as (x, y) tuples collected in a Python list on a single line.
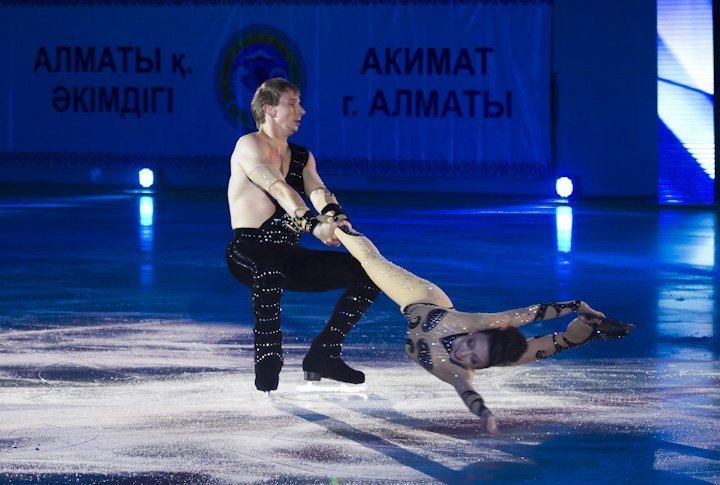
[(269, 177), (451, 344)]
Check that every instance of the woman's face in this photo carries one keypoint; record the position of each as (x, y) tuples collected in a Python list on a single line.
[(471, 351)]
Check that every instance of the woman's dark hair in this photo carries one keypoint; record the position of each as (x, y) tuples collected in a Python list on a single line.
[(506, 345)]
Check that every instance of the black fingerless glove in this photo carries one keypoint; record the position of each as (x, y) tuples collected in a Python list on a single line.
[(303, 223)]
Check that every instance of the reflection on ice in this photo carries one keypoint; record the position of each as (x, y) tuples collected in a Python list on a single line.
[(686, 303), (563, 227), (697, 245), (328, 386), (147, 209)]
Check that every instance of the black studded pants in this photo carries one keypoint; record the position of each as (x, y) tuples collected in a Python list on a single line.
[(270, 265)]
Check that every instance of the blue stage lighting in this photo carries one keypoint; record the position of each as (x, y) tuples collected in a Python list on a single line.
[(563, 226), (146, 178), (147, 210), (685, 99), (564, 187)]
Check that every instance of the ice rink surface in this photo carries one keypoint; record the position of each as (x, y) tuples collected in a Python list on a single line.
[(126, 348)]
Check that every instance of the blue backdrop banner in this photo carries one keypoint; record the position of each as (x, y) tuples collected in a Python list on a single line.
[(393, 88)]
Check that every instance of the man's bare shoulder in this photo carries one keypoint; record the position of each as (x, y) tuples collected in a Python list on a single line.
[(249, 149), (251, 141)]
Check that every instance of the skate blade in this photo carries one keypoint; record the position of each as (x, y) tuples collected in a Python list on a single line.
[(315, 386)]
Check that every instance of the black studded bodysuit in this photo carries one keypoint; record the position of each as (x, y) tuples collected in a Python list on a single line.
[(269, 260)]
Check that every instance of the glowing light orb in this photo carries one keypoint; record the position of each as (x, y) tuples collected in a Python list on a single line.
[(564, 187), (146, 178)]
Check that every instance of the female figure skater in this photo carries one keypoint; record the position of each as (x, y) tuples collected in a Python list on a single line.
[(451, 344)]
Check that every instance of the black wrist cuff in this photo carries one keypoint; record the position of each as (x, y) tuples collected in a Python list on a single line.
[(336, 211), (334, 208)]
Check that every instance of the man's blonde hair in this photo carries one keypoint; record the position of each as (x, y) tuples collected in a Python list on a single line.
[(269, 92)]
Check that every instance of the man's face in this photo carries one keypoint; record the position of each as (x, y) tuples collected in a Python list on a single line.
[(471, 351), (288, 112)]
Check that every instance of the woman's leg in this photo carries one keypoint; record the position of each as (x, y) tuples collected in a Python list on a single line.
[(312, 270), (581, 330), (403, 287)]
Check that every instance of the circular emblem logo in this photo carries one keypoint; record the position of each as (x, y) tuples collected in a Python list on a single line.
[(250, 57)]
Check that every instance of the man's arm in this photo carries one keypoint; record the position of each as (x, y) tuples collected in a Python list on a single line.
[(322, 199), (249, 156)]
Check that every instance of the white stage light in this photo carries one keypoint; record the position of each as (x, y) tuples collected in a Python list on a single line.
[(146, 178), (564, 187)]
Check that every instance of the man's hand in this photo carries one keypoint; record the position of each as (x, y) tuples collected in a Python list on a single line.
[(325, 231), (344, 222)]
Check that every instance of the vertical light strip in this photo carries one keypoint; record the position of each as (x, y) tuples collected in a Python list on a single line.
[(563, 227), (146, 216)]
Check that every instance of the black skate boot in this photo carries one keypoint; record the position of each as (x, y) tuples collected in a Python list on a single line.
[(324, 361), (267, 373), (608, 329)]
